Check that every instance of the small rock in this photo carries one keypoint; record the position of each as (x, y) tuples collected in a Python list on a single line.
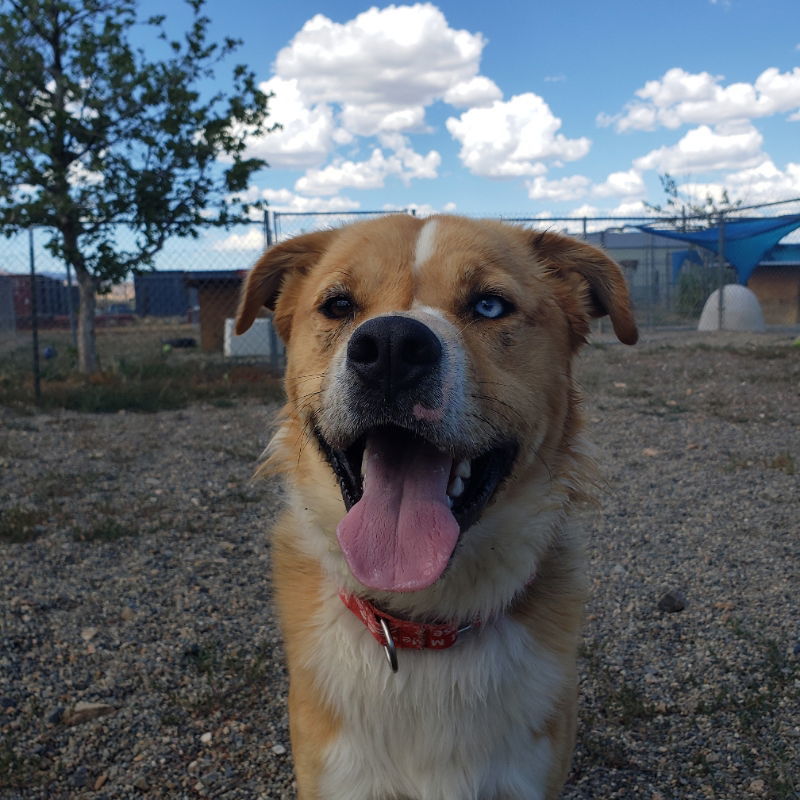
[(127, 613), (279, 749), (80, 778), (206, 737), (100, 782), (87, 634), (83, 712), (7, 703), (672, 601), (57, 716), (757, 786), (140, 783)]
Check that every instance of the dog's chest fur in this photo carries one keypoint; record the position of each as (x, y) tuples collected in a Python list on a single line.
[(462, 723)]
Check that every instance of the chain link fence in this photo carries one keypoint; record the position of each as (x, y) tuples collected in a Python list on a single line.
[(183, 309), (669, 281), (186, 302)]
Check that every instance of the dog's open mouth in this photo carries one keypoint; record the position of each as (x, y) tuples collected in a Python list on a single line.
[(408, 503)]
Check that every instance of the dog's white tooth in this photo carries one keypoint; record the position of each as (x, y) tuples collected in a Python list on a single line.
[(464, 469), (456, 487), (366, 456)]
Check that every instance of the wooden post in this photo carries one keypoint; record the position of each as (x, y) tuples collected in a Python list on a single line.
[(37, 378), (721, 272)]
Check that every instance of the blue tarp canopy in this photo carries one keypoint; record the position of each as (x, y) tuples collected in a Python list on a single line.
[(746, 241)]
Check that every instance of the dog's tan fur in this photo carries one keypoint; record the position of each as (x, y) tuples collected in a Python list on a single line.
[(517, 379)]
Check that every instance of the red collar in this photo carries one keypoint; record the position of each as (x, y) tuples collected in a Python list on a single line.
[(393, 633)]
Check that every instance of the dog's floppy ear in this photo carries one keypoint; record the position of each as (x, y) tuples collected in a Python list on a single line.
[(597, 278), (276, 267)]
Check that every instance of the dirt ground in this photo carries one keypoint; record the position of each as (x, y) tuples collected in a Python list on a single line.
[(139, 656)]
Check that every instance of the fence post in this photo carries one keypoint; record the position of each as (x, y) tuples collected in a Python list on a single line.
[(721, 272), (37, 381), (267, 228)]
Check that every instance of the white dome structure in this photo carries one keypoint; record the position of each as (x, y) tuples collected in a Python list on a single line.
[(740, 311)]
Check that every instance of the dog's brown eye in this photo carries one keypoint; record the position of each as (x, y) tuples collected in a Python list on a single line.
[(339, 306), (491, 306)]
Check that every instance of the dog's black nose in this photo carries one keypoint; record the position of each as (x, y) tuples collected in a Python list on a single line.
[(393, 353)]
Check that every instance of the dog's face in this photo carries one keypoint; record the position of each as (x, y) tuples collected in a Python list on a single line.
[(428, 380)]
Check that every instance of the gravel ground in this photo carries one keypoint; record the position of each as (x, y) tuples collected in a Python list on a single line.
[(139, 656)]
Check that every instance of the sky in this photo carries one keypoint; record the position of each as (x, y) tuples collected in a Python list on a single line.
[(532, 109)]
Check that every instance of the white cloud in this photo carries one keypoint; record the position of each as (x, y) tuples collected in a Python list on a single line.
[(559, 190), (477, 91), (621, 184), (404, 163), (628, 184), (704, 148), (631, 208), (422, 209), (680, 98), (308, 129), (763, 183), (513, 138), (252, 240), (586, 210), (286, 200), (373, 118), (372, 76), (384, 66)]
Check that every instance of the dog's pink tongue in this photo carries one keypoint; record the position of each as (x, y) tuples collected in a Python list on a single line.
[(400, 535)]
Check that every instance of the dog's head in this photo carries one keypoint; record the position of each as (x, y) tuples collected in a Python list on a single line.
[(429, 381)]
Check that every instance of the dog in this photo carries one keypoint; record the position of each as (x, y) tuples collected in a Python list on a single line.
[(428, 570)]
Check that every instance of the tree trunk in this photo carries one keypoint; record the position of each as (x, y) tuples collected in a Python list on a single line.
[(87, 344)]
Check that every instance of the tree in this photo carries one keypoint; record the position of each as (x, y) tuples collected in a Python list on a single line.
[(95, 136), (695, 284), (685, 209)]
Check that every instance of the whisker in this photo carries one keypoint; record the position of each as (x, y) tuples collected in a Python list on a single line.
[(308, 377), (310, 394), (466, 325), (492, 383), (304, 437)]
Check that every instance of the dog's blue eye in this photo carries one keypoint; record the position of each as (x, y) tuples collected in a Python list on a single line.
[(491, 306), (338, 307)]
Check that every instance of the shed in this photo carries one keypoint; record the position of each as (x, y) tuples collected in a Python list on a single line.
[(162, 294), (776, 284), (52, 299), (218, 298), (8, 317)]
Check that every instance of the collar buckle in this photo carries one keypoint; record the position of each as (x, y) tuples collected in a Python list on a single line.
[(389, 648)]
